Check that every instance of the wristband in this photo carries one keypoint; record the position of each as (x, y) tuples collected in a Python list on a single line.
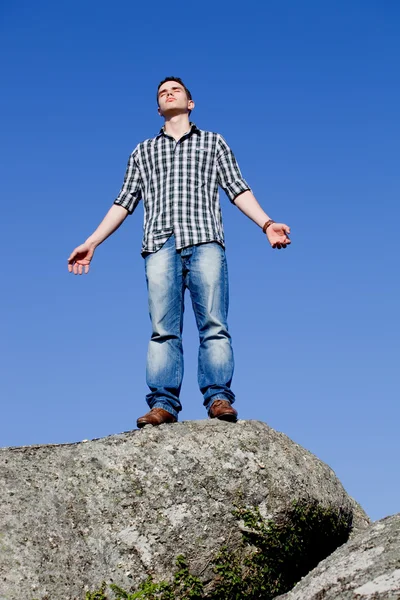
[(267, 224)]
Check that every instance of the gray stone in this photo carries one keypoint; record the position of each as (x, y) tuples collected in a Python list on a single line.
[(123, 507), (366, 568)]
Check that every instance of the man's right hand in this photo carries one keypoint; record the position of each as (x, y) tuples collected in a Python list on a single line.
[(80, 258)]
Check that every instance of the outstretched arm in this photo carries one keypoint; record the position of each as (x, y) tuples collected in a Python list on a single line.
[(125, 204), (277, 233), (239, 193), (80, 258)]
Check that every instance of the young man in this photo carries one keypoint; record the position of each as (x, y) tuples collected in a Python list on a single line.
[(177, 175)]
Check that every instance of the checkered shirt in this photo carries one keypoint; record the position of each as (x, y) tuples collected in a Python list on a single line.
[(178, 182)]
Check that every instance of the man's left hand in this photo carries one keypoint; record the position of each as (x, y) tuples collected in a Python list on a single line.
[(277, 234)]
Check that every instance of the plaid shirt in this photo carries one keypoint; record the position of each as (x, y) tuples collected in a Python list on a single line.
[(178, 181)]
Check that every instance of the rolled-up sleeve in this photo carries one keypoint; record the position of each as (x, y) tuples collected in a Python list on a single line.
[(229, 175), (131, 191)]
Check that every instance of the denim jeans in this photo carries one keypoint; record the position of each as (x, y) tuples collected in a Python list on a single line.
[(203, 270)]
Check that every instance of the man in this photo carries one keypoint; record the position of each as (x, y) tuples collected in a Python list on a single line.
[(177, 174)]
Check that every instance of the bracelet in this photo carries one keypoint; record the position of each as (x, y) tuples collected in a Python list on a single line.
[(267, 224)]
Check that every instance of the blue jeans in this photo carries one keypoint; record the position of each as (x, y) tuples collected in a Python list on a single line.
[(203, 270)]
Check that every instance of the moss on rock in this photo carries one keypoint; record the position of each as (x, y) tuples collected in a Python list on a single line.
[(275, 554)]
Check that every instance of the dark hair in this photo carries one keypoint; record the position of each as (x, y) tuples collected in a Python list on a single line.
[(178, 80)]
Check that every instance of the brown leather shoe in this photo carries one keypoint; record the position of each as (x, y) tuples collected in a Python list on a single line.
[(156, 416), (222, 409)]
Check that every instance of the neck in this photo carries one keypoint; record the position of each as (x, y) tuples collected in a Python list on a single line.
[(177, 125)]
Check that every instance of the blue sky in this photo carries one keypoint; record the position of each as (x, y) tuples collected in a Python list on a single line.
[(307, 95)]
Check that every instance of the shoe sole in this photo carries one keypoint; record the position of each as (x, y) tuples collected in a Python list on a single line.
[(142, 424), (227, 417)]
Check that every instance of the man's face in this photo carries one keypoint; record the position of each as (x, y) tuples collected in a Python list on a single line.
[(172, 99)]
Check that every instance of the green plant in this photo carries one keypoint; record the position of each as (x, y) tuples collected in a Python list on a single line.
[(186, 584), (97, 595), (274, 555), (283, 550), (148, 590)]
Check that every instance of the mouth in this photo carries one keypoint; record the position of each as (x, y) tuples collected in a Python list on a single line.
[(171, 100)]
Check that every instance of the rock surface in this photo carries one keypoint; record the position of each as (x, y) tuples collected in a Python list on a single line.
[(122, 507), (366, 568)]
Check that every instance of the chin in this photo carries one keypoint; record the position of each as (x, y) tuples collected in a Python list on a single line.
[(173, 110)]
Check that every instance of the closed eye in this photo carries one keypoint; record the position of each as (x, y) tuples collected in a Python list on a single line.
[(174, 89)]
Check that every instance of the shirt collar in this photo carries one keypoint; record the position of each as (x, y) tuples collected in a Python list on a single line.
[(193, 129)]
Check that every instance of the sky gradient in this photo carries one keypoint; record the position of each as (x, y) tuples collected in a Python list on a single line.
[(307, 95)]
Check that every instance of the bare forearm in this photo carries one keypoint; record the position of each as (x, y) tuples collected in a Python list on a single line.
[(251, 208), (113, 219)]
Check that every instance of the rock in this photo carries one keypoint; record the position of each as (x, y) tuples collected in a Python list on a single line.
[(123, 507), (367, 567)]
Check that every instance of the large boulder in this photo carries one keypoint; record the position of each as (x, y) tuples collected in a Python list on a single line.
[(123, 507), (366, 568)]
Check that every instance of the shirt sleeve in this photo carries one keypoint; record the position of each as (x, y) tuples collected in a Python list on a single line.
[(131, 191), (229, 175)]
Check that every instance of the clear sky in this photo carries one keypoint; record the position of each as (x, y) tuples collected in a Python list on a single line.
[(307, 94)]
